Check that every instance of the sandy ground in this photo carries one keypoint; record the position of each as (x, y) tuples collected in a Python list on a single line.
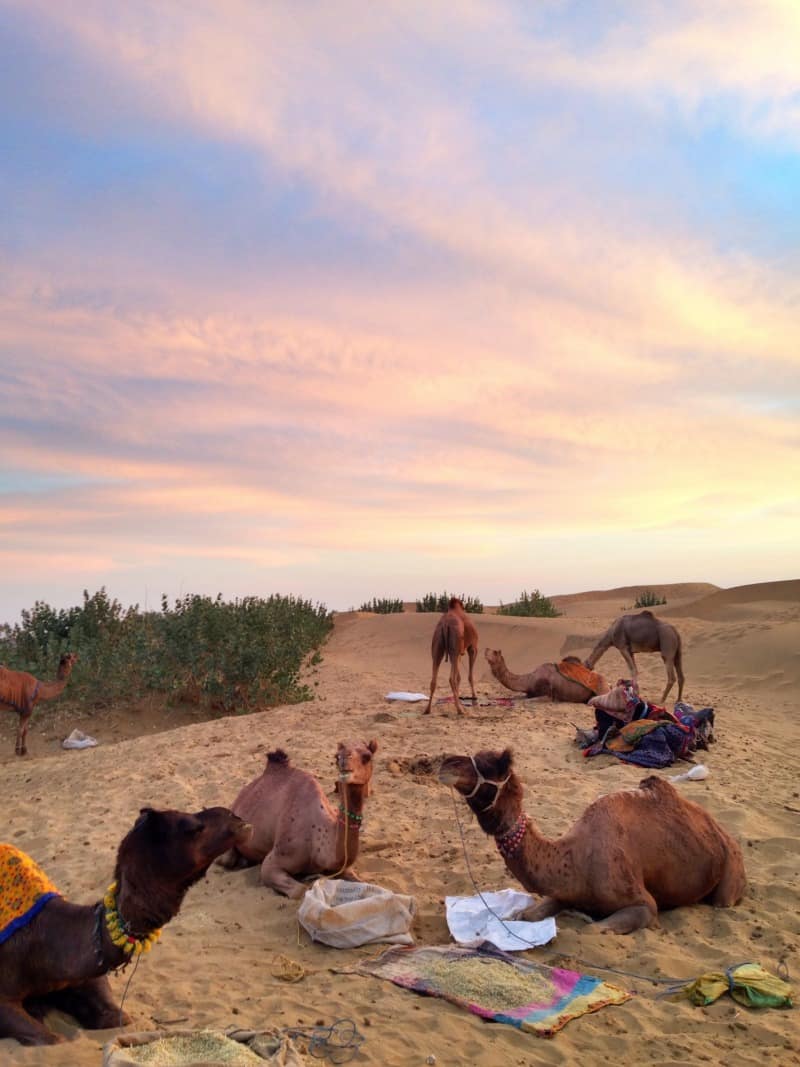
[(213, 966)]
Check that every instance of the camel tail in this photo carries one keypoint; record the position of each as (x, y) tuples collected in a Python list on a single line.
[(451, 640)]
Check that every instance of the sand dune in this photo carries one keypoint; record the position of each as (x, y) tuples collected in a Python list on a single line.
[(213, 966)]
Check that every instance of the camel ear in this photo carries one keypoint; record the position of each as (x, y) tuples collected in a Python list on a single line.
[(372, 746), (145, 816), (506, 761)]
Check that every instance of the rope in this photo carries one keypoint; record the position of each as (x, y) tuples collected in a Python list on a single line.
[(127, 985), (338, 1042)]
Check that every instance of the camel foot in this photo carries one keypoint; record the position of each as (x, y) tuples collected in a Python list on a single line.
[(626, 920), (546, 907)]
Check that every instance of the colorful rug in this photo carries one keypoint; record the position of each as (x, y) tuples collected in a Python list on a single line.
[(24, 890), (495, 985)]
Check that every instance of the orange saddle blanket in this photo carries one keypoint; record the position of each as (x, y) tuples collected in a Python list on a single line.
[(24, 890), (576, 672)]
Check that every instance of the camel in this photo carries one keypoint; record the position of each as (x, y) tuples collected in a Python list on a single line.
[(21, 692), (454, 635), (550, 679), (630, 854), (296, 829), (643, 633), (61, 957)]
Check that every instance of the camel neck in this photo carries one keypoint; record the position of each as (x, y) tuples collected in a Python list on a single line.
[(349, 818), (50, 690), (537, 862)]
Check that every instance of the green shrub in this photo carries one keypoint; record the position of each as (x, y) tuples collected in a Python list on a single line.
[(382, 606), (237, 653), (530, 604), (439, 601), (649, 599)]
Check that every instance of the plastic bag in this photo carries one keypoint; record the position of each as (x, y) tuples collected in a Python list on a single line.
[(348, 914)]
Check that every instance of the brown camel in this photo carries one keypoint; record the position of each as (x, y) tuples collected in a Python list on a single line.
[(60, 959), (296, 829), (21, 692), (454, 635), (629, 854), (643, 633), (556, 681)]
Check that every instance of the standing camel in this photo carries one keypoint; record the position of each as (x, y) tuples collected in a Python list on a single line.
[(454, 635), (21, 692), (643, 633)]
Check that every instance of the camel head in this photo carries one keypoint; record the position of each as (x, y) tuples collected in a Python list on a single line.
[(354, 763), (486, 781), (494, 657), (66, 663)]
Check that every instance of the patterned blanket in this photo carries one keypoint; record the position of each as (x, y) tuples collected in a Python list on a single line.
[(496, 985), (24, 890)]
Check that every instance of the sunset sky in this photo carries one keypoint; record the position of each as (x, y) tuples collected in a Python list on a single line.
[(373, 299)]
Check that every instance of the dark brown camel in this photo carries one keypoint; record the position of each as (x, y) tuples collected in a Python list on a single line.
[(21, 692), (60, 959), (454, 635), (643, 633), (630, 854)]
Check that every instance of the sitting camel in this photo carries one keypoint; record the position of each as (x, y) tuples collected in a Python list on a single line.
[(296, 829), (629, 854), (454, 635), (20, 692), (567, 681), (643, 633), (55, 954)]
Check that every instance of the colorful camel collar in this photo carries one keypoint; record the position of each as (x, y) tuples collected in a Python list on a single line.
[(118, 930), (498, 786), (508, 843), (352, 817)]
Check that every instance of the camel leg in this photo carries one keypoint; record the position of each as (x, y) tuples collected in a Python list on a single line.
[(626, 920), (670, 678), (455, 684), (437, 660), (277, 878), (472, 655), (546, 907), (627, 655), (17, 1023), (91, 1003), (233, 860), (21, 748)]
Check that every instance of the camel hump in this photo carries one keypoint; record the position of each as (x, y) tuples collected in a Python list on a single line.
[(659, 787), (278, 758), (649, 614)]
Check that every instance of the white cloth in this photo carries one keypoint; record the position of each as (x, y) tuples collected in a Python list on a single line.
[(77, 739), (410, 697), (470, 919)]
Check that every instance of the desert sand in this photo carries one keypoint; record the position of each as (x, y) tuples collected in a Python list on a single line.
[(214, 965)]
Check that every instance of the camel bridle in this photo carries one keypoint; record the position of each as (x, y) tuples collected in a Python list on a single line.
[(498, 786)]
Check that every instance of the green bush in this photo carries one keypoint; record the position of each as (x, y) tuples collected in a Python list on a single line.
[(382, 606), (237, 653), (439, 601), (530, 604), (649, 599)]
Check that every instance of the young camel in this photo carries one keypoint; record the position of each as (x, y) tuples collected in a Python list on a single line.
[(550, 679), (61, 956), (629, 854), (454, 635), (296, 829), (643, 633), (21, 692)]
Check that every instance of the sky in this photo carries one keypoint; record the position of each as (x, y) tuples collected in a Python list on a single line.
[(354, 300)]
